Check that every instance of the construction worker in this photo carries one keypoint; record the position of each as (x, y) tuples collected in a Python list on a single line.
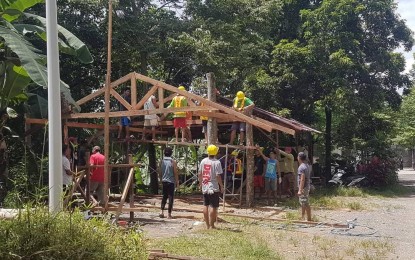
[(287, 170), (244, 105), (179, 118), (210, 172)]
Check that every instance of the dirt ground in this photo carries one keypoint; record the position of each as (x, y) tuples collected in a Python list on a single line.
[(384, 230)]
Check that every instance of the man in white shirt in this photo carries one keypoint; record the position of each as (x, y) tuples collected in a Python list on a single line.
[(67, 174), (151, 120)]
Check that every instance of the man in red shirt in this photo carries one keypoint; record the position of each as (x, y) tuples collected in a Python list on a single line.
[(97, 173)]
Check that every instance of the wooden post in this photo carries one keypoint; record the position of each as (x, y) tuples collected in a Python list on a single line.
[(28, 138), (65, 133), (152, 163), (250, 165), (212, 126), (130, 161), (133, 90), (107, 108), (161, 98), (88, 178)]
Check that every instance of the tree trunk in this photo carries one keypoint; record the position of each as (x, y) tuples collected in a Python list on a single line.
[(327, 172), (152, 163)]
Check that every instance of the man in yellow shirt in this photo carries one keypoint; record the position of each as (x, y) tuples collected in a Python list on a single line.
[(179, 118)]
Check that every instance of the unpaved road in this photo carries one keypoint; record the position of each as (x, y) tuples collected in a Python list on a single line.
[(393, 219), (388, 219)]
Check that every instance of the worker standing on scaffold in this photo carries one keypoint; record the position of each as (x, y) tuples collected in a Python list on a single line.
[(179, 119), (125, 120), (244, 105), (210, 172)]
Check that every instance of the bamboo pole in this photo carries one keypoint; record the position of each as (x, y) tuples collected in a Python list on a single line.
[(107, 107)]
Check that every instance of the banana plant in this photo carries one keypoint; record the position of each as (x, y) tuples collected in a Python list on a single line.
[(20, 62)]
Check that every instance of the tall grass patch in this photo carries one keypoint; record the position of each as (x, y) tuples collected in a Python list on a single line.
[(36, 234)]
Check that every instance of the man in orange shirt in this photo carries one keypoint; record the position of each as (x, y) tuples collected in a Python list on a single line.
[(97, 173)]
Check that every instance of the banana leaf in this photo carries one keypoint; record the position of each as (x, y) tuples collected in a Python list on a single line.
[(81, 50), (31, 61), (16, 82), (19, 5)]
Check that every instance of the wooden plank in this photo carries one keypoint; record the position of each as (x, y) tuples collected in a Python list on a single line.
[(121, 99), (217, 114), (214, 105), (170, 123), (36, 121), (131, 198), (124, 193), (140, 104), (133, 90), (102, 90), (137, 112), (112, 127)]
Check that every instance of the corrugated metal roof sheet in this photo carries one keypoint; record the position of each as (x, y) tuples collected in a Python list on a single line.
[(264, 114)]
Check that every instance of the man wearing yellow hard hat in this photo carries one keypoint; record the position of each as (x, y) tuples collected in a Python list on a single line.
[(210, 179), (244, 105), (179, 118)]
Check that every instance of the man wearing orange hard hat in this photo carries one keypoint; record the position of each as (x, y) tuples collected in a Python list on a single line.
[(244, 105)]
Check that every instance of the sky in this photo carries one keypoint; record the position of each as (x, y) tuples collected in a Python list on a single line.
[(406, 8)]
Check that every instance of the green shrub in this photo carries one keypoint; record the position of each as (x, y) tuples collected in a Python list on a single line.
[(36, 234)]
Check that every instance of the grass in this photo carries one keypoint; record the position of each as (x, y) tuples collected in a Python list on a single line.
[(36, 234), (219, 244), (333, 198)]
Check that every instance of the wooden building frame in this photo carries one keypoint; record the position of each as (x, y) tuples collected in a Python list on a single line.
[(211, 109)]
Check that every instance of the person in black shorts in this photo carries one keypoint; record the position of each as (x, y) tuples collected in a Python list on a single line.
[(210, 172)]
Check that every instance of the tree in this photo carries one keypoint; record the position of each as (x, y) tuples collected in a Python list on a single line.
[(21, 63), (349, 62)]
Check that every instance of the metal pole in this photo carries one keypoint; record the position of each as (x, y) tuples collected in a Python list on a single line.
[(54, 109)]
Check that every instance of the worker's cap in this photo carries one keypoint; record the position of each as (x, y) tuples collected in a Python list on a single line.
[(181, 88), (235, 153), (240, 95), (212, 150)]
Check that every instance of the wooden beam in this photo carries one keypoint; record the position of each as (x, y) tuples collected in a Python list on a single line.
[(140, 104), (133, 90), (124, 193), (121, 99), (102, 90), (276, 126), (137, 112), (161, 98), (212, 104), (170, 123), (36, 121)]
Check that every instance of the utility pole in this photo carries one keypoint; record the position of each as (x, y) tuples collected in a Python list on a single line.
[(54, 109), (212, 126)]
